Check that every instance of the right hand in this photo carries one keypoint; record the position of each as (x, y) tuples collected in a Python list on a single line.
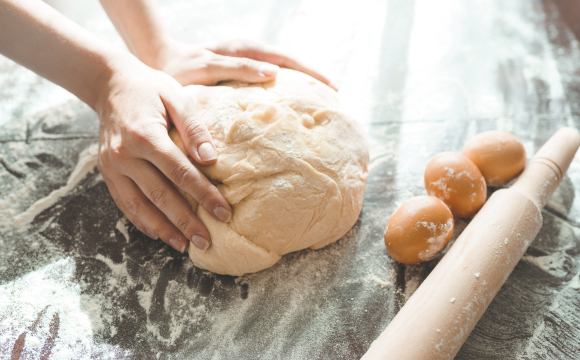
[(139, 162), (239, 59)]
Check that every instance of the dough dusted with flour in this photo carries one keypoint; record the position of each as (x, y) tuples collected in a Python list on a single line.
[(291, 163)]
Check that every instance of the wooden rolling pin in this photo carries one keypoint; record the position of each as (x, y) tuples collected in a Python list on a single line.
[(437, 319)]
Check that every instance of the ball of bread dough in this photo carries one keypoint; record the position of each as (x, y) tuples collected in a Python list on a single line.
[(292, 164)]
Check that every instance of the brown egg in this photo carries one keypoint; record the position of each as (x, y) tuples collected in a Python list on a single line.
[(419, 230), (456, 180), (499, 155)]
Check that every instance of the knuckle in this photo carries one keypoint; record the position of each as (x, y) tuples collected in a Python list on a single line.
[(183, 224), (194, 128), (114, 153), (115, 150), (179, 175), (158, 196), (244, 64), (141, 137), (132, 205)]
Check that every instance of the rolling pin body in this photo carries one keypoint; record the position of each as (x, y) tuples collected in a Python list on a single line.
[(440, 315)]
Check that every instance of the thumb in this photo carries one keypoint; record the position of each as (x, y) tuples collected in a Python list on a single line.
[(242, 69), (195, 136)]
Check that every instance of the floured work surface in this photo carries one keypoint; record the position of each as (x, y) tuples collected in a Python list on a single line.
[(78, 281)]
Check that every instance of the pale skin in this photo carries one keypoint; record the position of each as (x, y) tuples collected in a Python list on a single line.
[(138, 97)]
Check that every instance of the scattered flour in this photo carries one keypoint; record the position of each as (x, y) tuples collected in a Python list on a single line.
[(534, 346), (380, 282), (552, 264), (119, 270), (82, 315), (87, 162), (122, 227), (575, 282), (555, 305), (145, 299), (48, 296)]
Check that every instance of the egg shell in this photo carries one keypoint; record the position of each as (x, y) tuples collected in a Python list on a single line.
[(456, 180), (499, 155), (419, 230)]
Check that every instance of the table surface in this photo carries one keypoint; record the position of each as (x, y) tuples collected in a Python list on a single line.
[(422, 76)]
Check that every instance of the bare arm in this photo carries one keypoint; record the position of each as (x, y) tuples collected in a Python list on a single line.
[(142, 29), (136, 106), (34, 35)]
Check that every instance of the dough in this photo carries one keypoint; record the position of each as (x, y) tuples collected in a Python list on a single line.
[(291, 163)]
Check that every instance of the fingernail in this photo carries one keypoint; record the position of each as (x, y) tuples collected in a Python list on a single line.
[(177, 245), (207, 152), (222, 214), (267, 69), (200, 243)]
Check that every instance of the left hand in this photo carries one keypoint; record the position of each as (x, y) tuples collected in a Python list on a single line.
[(139, 162), (243, 60)]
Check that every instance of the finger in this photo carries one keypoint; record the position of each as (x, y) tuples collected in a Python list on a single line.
[(222, 68), (289, 63), (173, 163), (196, 138), (139, 208), (166, 198), (122, 207), (266, 53)]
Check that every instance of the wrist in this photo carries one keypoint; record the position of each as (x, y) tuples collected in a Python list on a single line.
[(155, 52), (114, 66), (162, 53)]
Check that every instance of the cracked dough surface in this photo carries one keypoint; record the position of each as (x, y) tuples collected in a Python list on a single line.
[(291, 163)]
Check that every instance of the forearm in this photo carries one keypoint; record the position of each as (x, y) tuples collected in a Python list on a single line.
[(140, 26), (40, 38)]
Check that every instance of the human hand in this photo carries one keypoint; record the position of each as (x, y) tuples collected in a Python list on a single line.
[(141, 27), (138, 161), (243, 60)]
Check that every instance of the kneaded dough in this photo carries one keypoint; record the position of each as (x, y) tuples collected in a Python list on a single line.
[(291, 163)]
